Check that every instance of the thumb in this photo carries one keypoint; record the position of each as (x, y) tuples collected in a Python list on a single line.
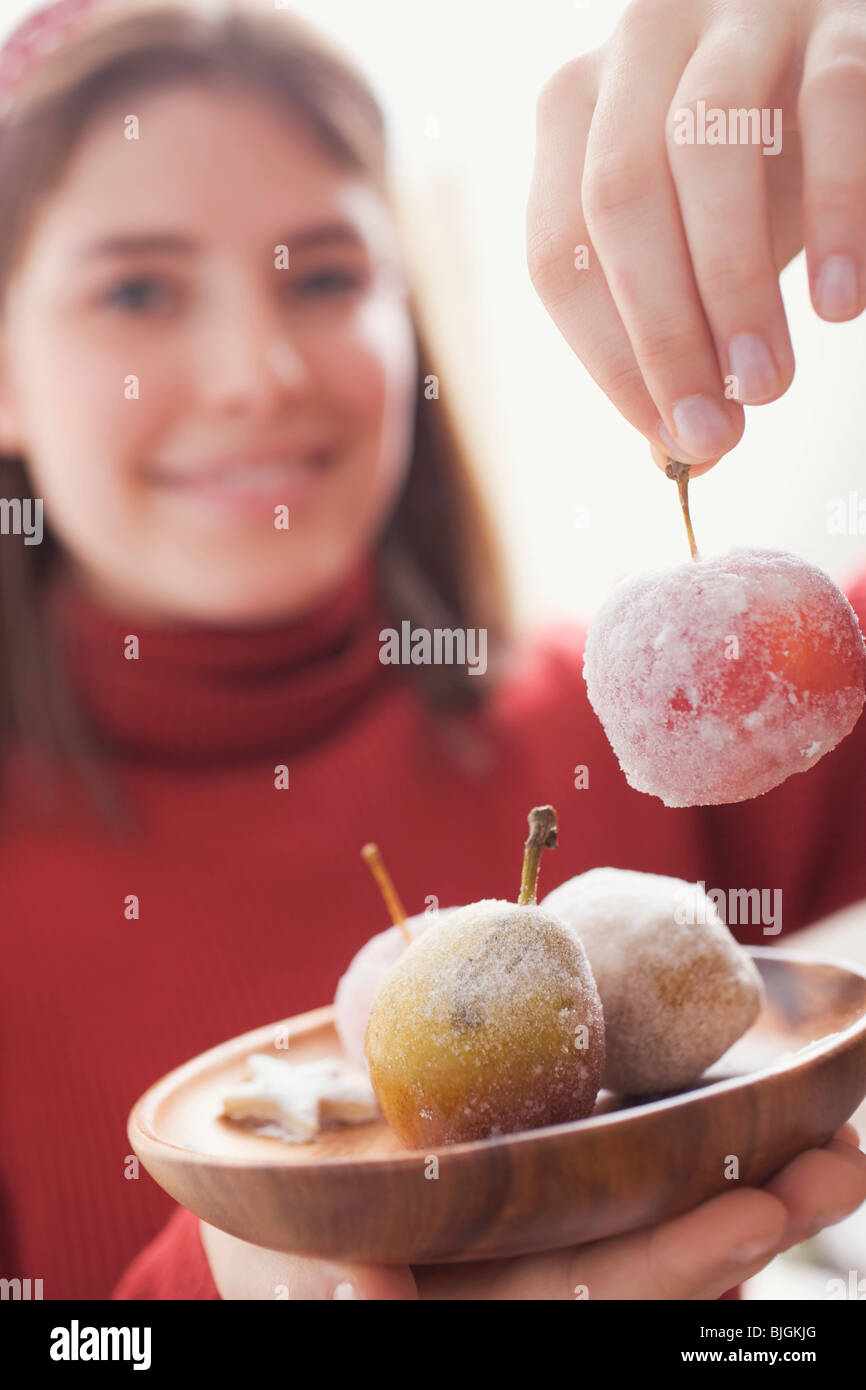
[(245, 1271)]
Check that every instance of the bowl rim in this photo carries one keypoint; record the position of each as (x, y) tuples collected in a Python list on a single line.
[(141, 1134)]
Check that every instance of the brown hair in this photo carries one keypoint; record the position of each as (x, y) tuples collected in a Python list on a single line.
[(440, 563)]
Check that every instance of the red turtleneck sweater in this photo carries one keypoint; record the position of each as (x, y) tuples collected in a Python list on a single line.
[(252, 900)]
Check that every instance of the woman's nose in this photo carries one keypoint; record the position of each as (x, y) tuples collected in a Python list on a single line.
[(249, 358)]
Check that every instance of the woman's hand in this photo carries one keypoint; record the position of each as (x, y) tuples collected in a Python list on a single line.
[(696, 1256), (674, 305), (241, 1270)]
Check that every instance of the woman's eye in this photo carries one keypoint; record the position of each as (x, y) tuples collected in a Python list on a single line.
[(138, 294), (328, 282)]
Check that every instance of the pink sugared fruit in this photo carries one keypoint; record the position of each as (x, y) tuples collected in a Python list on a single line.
[(716, 680), (364, 974)]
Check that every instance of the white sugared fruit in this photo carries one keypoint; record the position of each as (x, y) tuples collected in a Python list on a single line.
[(676, 987), (490, 1023)]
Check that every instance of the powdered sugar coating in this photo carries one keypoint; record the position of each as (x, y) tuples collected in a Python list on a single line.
[(677, 989), (490, 1023), (716, 680), (356, 987)]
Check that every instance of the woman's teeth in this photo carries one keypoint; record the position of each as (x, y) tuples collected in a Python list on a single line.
[(248, 479), (258, 477)]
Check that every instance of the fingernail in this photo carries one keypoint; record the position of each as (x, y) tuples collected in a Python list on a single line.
[(752, 366), (673, 449), (703, 430), (753, 1250), (836, 290), (344, 1290)]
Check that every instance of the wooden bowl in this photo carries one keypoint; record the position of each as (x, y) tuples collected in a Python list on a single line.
[(356, 1194)]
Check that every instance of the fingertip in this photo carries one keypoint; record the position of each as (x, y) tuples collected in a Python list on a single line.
[(835, 289), (766, 1214), (659, 456), (847, 1150), (735, 1232), (820, 1187), (848, 1135), (755, 1234), (661, 459)]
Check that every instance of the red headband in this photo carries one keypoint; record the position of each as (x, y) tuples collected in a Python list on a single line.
[(39, 34)]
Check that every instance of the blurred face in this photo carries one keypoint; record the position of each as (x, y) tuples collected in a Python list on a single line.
[(215, 436)]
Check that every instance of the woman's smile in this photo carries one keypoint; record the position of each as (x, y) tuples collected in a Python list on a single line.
[(249, 483)]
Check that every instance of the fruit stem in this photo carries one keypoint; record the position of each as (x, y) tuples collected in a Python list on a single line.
[(680, 473), (542, 835), (373, 859)]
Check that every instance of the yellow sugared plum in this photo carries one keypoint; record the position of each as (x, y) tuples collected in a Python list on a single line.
[(489, 1023)]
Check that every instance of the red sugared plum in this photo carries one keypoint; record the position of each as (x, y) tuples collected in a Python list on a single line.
[(716, 680)]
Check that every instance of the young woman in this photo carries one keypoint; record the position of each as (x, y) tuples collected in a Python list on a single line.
[(212, 376)]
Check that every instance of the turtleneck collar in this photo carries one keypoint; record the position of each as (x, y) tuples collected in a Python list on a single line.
[(219, 695)]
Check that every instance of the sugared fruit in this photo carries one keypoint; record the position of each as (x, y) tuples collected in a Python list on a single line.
[(716, 680), (677, 989), (490, 1022)]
